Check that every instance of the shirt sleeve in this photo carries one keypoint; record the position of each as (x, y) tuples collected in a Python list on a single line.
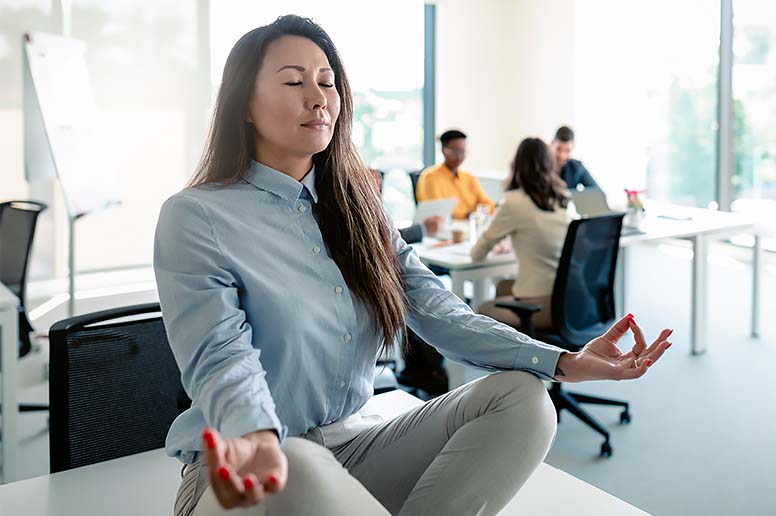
[(423, 188), (206, 327), (412, 234), (586, 178), (448, 324), (504, 223), (482, 197)]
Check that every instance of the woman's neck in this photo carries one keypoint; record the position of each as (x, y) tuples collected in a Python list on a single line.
[(293, 166)]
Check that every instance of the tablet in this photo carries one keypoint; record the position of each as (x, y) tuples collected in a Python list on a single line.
[(426, 209)]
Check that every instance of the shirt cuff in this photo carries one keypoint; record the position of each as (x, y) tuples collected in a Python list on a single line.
[(251, 418), (540, 359)]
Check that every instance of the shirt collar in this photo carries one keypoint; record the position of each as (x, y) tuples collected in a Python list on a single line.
[(450, 172), (265, 178)]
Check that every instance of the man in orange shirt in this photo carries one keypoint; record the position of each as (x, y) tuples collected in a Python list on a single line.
[(447, 180)]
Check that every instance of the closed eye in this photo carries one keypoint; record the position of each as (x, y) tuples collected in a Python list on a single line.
[(293, 83), (326, 84)]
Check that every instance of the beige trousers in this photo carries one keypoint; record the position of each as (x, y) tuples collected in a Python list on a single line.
[(467, 452)]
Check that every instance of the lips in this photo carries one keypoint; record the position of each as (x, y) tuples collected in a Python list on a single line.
[(316, 124)]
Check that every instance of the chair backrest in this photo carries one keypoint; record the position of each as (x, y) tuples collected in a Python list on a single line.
[(18, 220), (583, 294), (114, 386), (414, 177)]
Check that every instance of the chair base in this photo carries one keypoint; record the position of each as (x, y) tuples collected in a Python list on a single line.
[(571, 401)]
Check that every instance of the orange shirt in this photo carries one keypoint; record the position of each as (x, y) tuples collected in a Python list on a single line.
[(439, 182)]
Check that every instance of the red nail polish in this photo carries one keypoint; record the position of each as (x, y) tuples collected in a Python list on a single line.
[(223, 473), (248, 483), (630, 316), (272, 479), (669, 345), (210, 440), (650, 362)]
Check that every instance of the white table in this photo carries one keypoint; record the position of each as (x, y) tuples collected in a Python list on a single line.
[(146, 484), (699, 229), (9, 355)]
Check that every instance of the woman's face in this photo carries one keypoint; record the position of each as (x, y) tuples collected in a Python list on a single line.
[(295, 103)]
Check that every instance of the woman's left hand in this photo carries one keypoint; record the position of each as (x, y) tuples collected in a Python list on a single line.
[(602, 359)]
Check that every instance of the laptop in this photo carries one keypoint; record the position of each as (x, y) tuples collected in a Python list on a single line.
[(591, 202)]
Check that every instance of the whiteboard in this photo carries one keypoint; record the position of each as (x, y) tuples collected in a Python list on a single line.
[(61, 123)]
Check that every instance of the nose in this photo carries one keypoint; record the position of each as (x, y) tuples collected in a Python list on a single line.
[(315, 99)]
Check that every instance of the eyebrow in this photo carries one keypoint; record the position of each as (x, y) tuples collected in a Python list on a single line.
[(302, 68)]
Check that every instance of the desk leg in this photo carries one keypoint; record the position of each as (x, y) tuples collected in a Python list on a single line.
[(480, 292), (620, 277), (757, 262), (9, 354), (457, 284), (699, 308)]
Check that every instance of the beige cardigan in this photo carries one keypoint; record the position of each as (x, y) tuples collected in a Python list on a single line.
[(537, 239)]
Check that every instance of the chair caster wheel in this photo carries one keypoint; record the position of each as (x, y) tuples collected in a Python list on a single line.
[(606, 449), (625, 417)]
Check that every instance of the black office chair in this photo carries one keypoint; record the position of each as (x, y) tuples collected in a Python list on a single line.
[(114, 386), (18, 220), (582, 306), (414, 176)]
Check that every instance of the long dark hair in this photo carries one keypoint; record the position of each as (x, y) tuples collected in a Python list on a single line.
[(349, 209), (532, 170)]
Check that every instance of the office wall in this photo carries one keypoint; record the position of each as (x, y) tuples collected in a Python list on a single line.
[(504, 72)]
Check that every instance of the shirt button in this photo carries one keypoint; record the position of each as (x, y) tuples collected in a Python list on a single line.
[(347, 337), (338, 290), (535, 360), (317, 249), (342, 385), (302, 208)]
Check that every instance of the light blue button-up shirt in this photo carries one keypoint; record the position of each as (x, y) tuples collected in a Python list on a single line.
[(265, 330)]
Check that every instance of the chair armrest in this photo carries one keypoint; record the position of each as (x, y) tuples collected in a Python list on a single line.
[(524, 311)]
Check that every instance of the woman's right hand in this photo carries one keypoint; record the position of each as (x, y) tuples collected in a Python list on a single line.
[(245, 470)]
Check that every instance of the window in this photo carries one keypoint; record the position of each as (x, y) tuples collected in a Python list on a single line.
[(754, 96), (142, 61), (646, 96)]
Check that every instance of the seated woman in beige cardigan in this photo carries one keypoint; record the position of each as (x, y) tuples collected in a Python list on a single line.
[(535, 213)]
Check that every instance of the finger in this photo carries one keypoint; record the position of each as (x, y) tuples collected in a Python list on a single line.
[(656, 353), (638, 335), (637, 372), (658, 341), (254, 491), (663, 335), (618, 329), (272, 483), (228, 487), (224, 486), (213, 448)]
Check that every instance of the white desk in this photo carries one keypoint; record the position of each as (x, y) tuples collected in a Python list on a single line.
[(146, 484), (703, 226), (9, 355)]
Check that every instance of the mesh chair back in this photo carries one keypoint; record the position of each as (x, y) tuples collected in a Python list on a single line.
[(414, 177), (115, 388), (583, 294), (17, 232), (18, 220)]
